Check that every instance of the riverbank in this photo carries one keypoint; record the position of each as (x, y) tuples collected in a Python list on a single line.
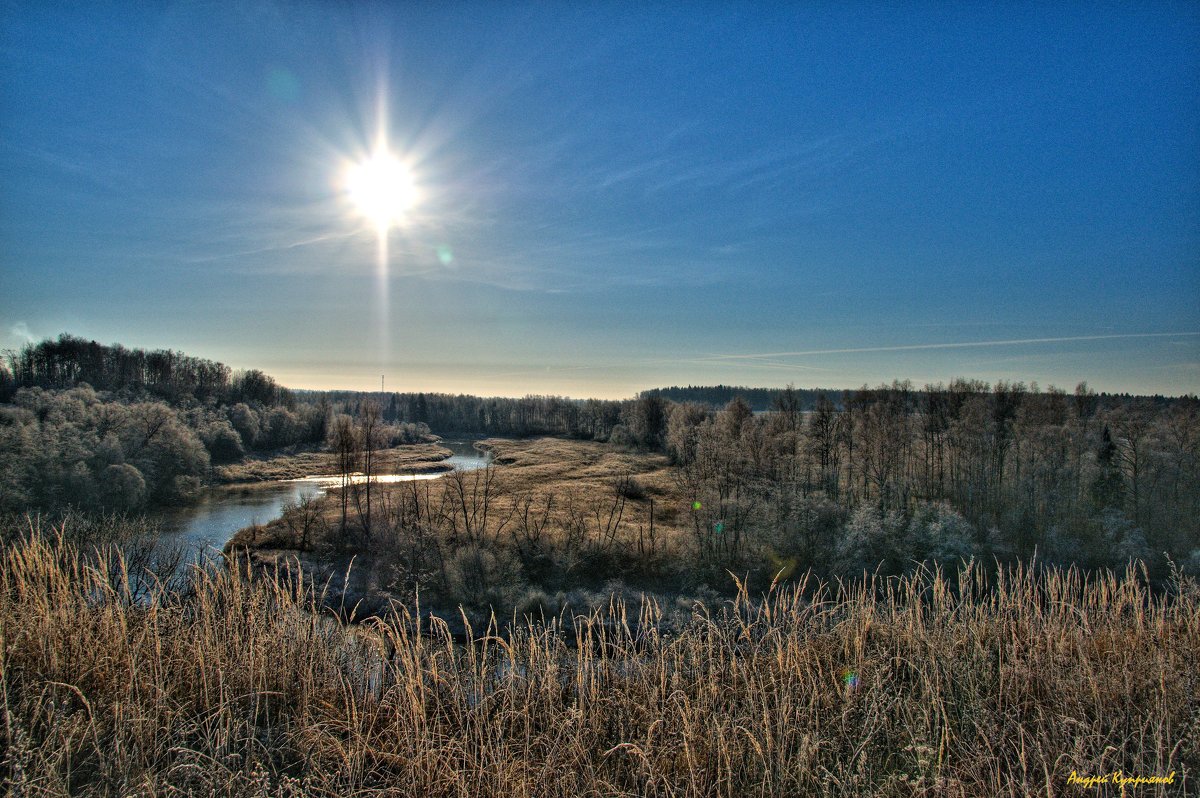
[(574, 472), (555, 525), (259, 492), (414, 458)]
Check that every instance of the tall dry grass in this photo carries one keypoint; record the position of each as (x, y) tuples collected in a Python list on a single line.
[(914, 686)]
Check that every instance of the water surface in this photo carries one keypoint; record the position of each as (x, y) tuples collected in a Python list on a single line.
[(205, 527)]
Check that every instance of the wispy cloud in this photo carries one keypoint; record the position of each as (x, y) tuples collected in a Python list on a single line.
[(94, 171), (768, 163), (282, 246), (21, 332), (769, 365), (643, 363), (949, 345)]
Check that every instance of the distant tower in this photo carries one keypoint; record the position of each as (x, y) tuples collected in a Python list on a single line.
[(381, 383)]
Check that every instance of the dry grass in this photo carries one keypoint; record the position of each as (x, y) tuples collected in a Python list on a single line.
[(913, 686), (417, 458), (577, 473), (583, 469), (560, 525)]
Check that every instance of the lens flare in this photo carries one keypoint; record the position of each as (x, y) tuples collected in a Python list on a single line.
[(283, 85), (782, 567)]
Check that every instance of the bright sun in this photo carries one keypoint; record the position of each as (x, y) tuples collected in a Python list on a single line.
[(381, 188)]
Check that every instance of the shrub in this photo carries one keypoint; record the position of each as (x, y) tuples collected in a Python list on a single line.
[(223, 442), (939, 534), (628, 487), (621, 437), (122, 487), (477, 577)]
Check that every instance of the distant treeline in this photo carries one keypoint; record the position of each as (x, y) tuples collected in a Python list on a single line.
[(759, 399), (859, 477), (449, 414), (806, 399), (898, 475), (172, 376)]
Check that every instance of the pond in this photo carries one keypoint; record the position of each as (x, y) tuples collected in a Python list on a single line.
[(204, 527)]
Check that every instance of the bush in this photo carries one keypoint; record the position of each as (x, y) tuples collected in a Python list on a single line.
[(538, 606), (628, 487), (477, 577), (122, 487), (937, 533), (223, 442), (621, 437), (245, 421), (865, 542), (1120, 540)]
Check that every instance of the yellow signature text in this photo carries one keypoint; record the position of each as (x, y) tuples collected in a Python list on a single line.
[(1119, 778)]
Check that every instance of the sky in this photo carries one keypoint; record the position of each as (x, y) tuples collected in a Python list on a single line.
[(612, 196)]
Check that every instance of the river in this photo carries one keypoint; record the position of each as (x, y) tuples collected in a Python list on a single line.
[(204, 527)]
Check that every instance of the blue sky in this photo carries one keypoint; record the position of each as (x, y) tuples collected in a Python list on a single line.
[(613, 196)]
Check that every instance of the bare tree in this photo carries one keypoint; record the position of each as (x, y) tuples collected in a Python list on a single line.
[(1131, 425), (369, 435), (303, 520), (345, 444), (473, 497)]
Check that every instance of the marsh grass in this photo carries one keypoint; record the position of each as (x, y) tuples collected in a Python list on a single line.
[(413, 458), (921, 685)]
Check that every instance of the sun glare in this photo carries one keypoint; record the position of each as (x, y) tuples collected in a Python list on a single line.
[(381, 188)]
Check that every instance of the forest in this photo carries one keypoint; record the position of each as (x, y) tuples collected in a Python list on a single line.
[(105, 428), (884, 477), (874, 477), (759, 399)]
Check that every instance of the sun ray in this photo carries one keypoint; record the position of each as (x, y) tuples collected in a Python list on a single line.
[(381, 188)]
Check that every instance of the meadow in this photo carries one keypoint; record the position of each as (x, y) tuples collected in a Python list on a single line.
[(976, 684)]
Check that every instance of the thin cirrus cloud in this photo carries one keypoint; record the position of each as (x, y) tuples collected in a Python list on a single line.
[(947, 345), (770, 361), (20, 331)]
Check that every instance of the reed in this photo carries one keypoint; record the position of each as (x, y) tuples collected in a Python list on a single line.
[(979, 684)]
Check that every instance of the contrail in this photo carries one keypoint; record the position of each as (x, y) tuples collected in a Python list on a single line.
[(274, 247), (955, 345), (769, 364)]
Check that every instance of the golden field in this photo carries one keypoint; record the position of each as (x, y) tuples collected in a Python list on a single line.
[(920, 685)]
